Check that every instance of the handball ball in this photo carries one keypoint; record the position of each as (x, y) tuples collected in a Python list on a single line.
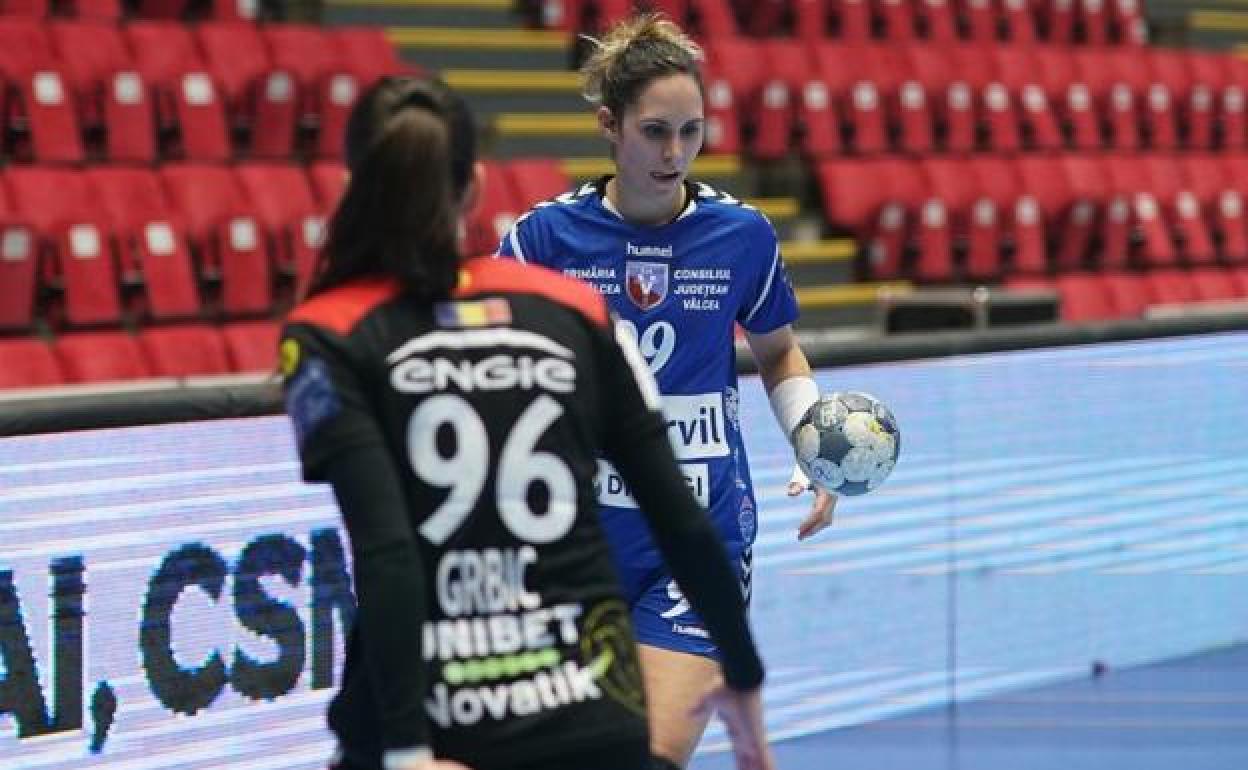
[(847, 443)]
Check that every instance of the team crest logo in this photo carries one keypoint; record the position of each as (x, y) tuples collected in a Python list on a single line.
[(647, 283)]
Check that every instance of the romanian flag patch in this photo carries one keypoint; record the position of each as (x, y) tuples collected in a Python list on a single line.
[(469, 314)]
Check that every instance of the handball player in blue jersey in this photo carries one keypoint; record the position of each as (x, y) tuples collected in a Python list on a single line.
[(682, 264)]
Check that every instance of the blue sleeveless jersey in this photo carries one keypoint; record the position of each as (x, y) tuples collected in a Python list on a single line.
[(681, 286)]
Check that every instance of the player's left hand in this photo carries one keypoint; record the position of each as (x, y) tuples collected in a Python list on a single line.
[(742, 714), (821, 510)]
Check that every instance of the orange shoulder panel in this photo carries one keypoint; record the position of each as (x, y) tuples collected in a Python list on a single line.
[(342, 307), (485, 275)]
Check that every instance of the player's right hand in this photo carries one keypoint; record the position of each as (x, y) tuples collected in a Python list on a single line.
[(821, 508), (742, 715)]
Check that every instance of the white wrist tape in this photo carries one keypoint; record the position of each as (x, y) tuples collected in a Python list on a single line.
[(799, 477), (790, 399), (406, 759)]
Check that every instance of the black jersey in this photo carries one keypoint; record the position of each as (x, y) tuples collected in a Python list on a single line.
[(461, 438)]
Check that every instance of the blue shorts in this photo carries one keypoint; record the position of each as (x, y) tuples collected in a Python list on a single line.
[(663, 618)]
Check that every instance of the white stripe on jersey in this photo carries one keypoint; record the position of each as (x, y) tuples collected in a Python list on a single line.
[(637, 362), (478, 338), (514, 237), (775, 261)]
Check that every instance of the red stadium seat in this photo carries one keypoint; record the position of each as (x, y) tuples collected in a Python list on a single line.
[(972, 219), (1210, 77), (1071, 95), (879, 201), (739, 62), (32, 9), (189, 106), (497, 208), (1093, 19), (234, 10), (723, 130), (19, 263), (1222, 204), (261, 99), (368, 53), (28, 363), (232, 245), (898, 20), (1129, 295), (152, 242), (101, 357), (338, 95), (858, 199), (285, 205), (329, 181), (1067, 227), (112, 95), (536, 179), (163, 50), (1018, 21), (940, 19), (811, 19), (18, 275), (1171, 287), (161, 9), (1090, 189), (310, 55), (96, 10), (1182, 207), (1213, 284), (252, 345), (185, 351), (1169, 72), (888, 70), (715, 19), (42, 101), (854, 95), (1083, 298), (981, 20), (781, 105), (1126, 22), (1059, 17), (1131, 182), (1113, 98), (60, 207), (763, 17), (1019, 72), (853, 19), (1020, 219), (950, 98), (1233, 135)]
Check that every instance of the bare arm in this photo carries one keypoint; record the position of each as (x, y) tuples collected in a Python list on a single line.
[(779, 358)]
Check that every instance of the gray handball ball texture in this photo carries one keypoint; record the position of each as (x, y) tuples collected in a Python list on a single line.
[(847, 443)]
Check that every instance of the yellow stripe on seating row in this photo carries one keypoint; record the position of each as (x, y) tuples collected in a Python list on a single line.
[(849, 294), (703, 166), (513, 80), (812, 252), (493, 39), (546, 124), (1218, 21)]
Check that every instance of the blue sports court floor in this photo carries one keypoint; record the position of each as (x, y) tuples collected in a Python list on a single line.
[(1185, 714)]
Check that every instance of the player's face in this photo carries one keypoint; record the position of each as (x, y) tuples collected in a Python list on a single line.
[(659, 136)]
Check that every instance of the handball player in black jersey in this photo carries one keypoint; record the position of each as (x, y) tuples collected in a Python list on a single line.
[(457, 407)]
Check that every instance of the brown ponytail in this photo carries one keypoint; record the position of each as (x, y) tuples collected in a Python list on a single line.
[(410, 148)]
